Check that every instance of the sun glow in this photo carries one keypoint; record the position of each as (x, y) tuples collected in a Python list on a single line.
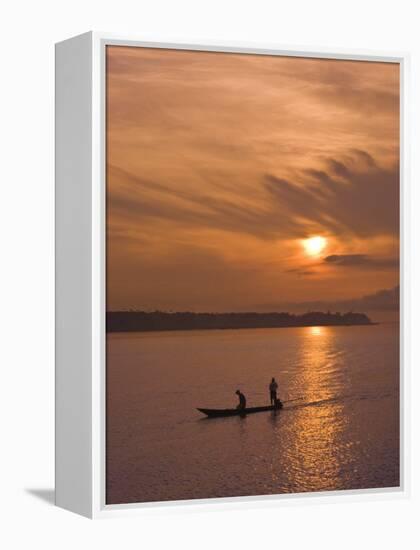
[(316, 331), (314, 245)]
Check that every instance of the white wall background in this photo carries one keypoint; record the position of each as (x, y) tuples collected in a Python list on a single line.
[(28, 32)]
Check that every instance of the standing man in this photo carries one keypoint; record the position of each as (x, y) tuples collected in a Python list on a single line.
[(273, 391), (242, 400)]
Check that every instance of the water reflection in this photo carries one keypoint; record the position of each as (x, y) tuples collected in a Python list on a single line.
[(317, 331), (314, 451)]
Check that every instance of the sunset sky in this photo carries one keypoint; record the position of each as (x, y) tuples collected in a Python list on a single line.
[(249, 182)]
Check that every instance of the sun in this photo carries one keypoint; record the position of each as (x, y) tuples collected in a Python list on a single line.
[(314, 245)]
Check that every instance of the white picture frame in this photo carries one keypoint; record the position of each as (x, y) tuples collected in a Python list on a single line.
[(80, 272)]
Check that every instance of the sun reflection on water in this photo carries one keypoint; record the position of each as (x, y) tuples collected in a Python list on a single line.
[(317, 331), (315, 447)]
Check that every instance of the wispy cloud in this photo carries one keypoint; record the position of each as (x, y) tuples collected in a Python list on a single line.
[(361, 260), (344, 199), (319, 201)]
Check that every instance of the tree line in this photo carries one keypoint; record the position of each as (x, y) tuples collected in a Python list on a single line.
[(133, 321)]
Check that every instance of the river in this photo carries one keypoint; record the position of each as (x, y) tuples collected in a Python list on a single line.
[(339, 428)]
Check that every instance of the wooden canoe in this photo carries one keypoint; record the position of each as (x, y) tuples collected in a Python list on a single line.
[(216, 413)]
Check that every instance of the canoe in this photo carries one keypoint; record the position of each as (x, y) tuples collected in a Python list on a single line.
[(216, 413)]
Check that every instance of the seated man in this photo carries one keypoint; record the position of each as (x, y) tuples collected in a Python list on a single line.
[(242, 400)]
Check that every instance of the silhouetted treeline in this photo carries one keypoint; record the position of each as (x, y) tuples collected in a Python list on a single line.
[(131, 321)]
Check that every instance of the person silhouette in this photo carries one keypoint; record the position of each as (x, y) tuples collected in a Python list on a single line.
[(273, 391), (242, 400)]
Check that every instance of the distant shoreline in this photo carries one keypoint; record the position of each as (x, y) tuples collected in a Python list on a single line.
[(142, 321)]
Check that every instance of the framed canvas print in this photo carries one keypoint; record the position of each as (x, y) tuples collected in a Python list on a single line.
[(230, 281)]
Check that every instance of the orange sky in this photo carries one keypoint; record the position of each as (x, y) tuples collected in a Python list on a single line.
[(220, 165)]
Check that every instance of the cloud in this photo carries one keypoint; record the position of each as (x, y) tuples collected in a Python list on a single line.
[(133, 199), (345, 199), (361, 260), (384, 300), (365, 156), (301, 271), (340, 199), (339, 168)]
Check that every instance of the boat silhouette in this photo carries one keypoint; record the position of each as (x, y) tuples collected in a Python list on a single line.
[(217, 413)]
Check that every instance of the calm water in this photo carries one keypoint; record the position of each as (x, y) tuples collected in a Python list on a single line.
[(341, 432)]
